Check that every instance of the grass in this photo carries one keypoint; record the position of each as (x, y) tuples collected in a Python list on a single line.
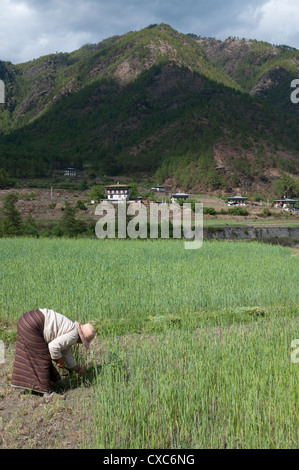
[(193, 347), (228, 388), (250, 222), (84, 278)]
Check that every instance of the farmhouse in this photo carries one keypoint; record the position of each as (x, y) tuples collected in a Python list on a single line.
[(158, 188), (70, 172), (237, 201), (177, 196), (137, 199), (117, 192), (285, 202)]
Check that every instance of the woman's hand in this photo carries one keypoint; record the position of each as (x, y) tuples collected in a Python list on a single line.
[(60, 363), (79, 370)]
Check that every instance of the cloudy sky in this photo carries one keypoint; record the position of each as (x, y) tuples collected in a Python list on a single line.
[(32, 28)]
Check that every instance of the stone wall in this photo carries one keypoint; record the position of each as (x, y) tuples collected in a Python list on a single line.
[(250, 233)]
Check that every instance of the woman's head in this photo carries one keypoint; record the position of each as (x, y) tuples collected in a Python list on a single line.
[(86, 333)]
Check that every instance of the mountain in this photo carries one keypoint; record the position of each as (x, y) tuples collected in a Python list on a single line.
[(261, 69), (195, 112)]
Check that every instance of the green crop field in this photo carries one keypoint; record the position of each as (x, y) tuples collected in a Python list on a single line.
[(195, 344)]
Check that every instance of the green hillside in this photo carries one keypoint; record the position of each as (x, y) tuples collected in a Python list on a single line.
[(154, 101), (260, 68)]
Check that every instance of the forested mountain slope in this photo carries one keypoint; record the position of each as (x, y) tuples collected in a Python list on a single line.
[(196, 111)]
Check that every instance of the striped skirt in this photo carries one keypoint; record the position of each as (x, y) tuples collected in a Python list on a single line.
[(33, 367)]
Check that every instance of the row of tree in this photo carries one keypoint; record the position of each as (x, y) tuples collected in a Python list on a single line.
[(70, 226), (13, 225)]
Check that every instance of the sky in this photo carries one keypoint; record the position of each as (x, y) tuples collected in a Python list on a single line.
[(33, 28)]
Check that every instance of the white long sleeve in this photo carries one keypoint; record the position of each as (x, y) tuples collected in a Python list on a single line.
[(60, 333)]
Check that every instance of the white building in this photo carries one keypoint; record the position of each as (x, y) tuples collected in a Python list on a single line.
[(285, 203), (176, 196), (158, 188), (237, 201), (70, 172), (118, 192)]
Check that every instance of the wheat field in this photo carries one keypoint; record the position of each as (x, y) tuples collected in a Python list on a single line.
[(195, 345)]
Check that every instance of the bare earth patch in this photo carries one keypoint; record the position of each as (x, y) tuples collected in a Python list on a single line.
[(29, 421)]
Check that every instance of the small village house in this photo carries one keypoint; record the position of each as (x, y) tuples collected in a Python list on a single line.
[(70, 172), (237, 201), (117, 192), (285, 203), (176, 196), (137, 199), (158, 188)]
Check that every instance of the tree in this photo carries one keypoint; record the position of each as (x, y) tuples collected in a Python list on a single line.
[(80, 205), (11, 223), (83, 185), (69, 224), (4, 179), (97, 192), (286, 186), (133, 190), (30, 228)]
